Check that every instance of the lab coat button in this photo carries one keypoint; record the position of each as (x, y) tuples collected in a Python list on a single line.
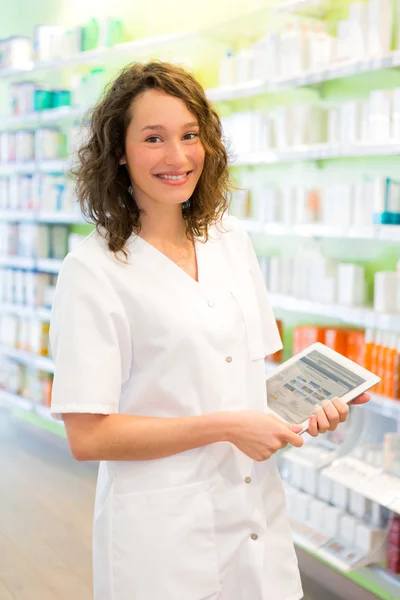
[(247, 479), (211, 303), (254, 536), (228, 359)]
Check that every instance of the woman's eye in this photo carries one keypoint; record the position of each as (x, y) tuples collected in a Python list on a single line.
[(153, 139), (190, 136)]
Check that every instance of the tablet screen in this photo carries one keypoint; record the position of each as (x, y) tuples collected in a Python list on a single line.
[(294, 391)]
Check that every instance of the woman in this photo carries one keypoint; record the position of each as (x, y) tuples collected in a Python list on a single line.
[(161, 323)]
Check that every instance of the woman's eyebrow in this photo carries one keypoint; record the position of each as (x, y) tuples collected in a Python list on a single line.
[(153, 127)]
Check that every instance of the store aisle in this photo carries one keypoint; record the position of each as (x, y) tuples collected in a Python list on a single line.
[(46, 505)]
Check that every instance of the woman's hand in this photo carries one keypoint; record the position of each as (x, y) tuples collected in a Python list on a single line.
[(259, 435), (332, 412)]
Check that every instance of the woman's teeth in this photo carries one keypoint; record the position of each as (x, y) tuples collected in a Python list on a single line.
[(173, 176)]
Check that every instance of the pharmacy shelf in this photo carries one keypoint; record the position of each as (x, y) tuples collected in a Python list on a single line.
[(19, 216), (362, 317), (369, 481), (257, 87), (388, 233), (44, 117), (310, 8), (31, 412), (14, 168), (59, 165), (316, 152), (31, 312), (45, 265), (41, 363), (17, 262), (373, 578), (49, 265), (387, 407), (105, 54), (247, 89)]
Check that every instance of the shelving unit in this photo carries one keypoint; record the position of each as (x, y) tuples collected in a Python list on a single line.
[(19, 216), (35, 361), (47, 265), (316, 152), (32, 412), (31, 312), (362, 317), (250, 89), (384, 233), (133, 48)]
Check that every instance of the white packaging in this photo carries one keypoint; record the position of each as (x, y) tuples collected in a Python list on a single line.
[(358, 20), (359, 506), (7, 146), (17, 52), (58, 241), (331, 525), (395, 117), (347, 531), (320, 48), (47, 143), (302, 507), (379, 116), (334, 128), (380, 20), (325, 488), (350, 122), (367, 538), (385, 291), (310, 480), (244, 66), (363, 203), (24, 145), (317, 514), (45, 37), (351, 285), (227, 69), (19, 287), (274, 280), (340, 497), (288, 207)]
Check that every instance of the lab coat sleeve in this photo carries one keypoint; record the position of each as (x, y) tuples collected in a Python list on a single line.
[(270, 332), (90, 342)]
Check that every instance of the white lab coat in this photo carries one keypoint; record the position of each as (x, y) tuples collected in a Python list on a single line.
[(146, 339)]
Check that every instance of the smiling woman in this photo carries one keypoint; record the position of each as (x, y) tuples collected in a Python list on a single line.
[(154, 139), (160, 358)]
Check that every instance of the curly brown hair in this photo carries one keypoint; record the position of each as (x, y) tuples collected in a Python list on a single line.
[(103, 184)]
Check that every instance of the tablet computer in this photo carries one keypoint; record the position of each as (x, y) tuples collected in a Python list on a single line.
[(316, 374)]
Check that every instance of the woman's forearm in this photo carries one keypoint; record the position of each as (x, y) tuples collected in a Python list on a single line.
[(129, 437)]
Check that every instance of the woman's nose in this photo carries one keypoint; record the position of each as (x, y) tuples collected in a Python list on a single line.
[(175, 154)]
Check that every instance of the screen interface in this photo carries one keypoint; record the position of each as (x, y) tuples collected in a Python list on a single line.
[(294, 391)]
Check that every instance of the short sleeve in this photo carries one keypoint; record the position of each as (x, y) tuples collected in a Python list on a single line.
[(89, 338), (270, 332)]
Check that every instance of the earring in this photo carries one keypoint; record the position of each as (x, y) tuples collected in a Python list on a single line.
[(186, 204)]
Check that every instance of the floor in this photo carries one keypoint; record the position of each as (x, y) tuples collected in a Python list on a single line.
[(46, 507)]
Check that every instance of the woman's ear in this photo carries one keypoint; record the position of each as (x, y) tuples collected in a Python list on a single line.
[(122, 160)]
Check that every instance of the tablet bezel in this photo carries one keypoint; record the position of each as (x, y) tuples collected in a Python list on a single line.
[(370, 378)]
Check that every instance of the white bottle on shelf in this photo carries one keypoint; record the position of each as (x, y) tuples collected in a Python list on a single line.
[(227, 69)]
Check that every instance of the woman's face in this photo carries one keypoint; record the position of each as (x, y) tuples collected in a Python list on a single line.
[(163, 151)]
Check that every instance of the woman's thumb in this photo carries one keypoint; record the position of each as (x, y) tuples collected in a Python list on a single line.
[(296, 428)]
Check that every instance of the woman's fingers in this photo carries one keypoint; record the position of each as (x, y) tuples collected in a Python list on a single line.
[(363, 399), (327, 417), (313, 426), (342, 408)]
